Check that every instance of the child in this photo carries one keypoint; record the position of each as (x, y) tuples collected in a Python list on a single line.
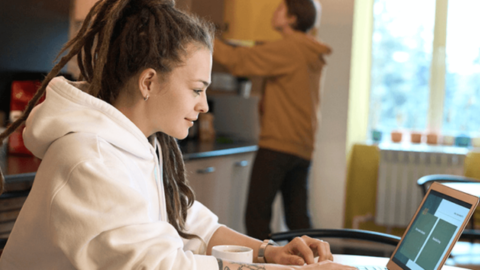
[(292, 67), (111, 191)]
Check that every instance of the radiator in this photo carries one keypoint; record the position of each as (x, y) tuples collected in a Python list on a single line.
[(398, 195)]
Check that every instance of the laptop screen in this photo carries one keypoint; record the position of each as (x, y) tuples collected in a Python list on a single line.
[(432, 232)]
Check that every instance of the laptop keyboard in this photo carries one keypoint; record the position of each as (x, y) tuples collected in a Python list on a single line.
[(371, 267)]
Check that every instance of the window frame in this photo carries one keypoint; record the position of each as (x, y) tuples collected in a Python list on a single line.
[(358, 129)]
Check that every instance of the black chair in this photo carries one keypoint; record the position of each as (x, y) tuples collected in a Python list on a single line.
[(424, 182), (347, 241)]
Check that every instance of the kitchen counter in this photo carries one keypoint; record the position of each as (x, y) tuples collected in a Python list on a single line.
[(21, 169), (195, 150)]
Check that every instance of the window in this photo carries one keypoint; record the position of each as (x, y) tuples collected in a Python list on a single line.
[(425, 70), (461, 114)]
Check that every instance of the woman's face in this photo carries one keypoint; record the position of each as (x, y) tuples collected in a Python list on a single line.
[(178, 100)]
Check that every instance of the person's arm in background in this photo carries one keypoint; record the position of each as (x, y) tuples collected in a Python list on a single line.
[(268, 59), (298, 252)]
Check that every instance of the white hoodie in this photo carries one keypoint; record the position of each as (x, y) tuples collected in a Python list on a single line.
[(98, 200)]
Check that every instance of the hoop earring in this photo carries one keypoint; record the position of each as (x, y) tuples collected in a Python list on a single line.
[(146, 97)]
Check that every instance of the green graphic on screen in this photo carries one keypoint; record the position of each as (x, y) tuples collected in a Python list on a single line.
[(418, 234), (436, 245)]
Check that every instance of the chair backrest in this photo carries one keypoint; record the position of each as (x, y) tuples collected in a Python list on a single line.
[(338, 233), (425, 181), (347, 241)]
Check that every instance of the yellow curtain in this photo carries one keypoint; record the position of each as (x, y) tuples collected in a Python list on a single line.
[(472, 165), (361, 189), (472, 169)]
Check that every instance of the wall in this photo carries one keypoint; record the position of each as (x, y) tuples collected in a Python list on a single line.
[(327, 181), (359, 99), (32, 33)]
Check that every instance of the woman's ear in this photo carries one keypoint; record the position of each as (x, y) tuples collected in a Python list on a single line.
[(145, 82)]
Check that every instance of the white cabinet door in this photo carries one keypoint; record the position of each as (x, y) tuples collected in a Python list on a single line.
[(221, 184), (208, 178), (240, 178)]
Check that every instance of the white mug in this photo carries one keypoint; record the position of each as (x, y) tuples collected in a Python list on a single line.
[(233, 253)]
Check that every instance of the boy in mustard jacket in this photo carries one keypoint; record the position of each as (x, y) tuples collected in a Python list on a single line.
[(292, 68)]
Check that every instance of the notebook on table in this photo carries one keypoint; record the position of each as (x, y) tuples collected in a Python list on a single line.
[(433, 230)]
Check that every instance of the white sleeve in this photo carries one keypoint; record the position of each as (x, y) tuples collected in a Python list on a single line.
[(100, 222), (203, 223)]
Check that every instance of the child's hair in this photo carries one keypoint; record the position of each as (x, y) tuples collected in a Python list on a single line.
[(118, 39), (305, 11)]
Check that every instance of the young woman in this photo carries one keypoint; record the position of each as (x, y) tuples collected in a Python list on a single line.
[(111, 191)]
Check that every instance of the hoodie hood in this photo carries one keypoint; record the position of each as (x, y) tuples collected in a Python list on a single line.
[(68, 109), (314, 51)]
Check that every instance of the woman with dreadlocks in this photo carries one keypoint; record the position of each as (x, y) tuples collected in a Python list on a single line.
[(111, 192)]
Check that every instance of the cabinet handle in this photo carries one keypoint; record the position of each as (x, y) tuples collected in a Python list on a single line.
[(206, 170), (243, 163)]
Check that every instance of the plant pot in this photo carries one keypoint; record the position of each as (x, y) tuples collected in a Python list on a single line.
[(462, 141), (376, 135), (432, 138), (416, 137), (396, 136), (448, 140), (476, 142)]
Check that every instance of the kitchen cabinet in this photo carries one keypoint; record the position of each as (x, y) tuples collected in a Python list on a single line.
[(239, 19), (250, 20), (221, 184)]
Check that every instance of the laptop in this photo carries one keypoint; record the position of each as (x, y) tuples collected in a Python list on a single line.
[(433, 230)]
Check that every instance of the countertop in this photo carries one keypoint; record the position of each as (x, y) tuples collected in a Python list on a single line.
[(20, 169), (195, 150)]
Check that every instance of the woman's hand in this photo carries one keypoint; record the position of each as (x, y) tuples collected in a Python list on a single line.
[(299, 251), (327, 265)]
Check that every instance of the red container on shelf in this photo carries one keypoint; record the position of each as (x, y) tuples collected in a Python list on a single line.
[(432, 138), (21, 93), (396, 136), (416, 137)]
